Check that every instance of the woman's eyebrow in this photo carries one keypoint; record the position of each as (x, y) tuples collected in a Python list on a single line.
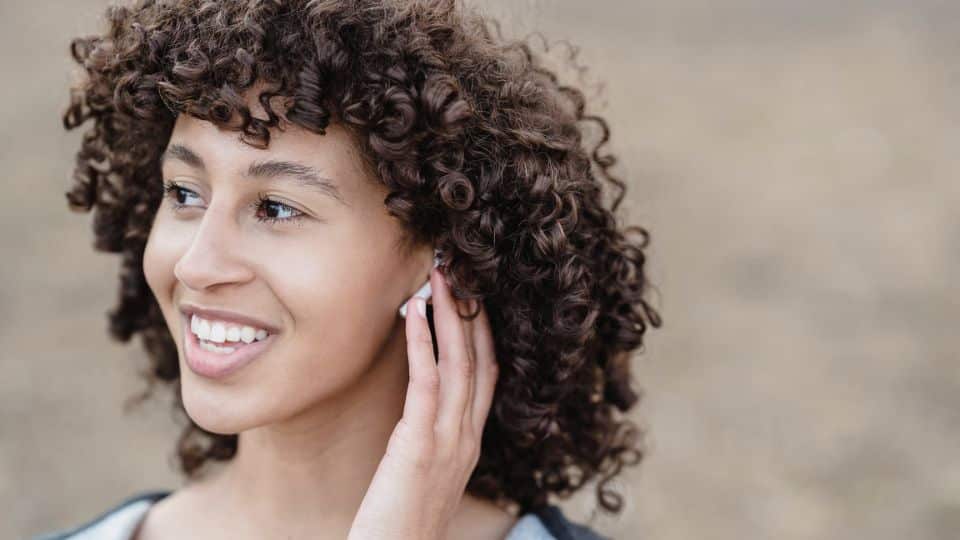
[(305, 174)]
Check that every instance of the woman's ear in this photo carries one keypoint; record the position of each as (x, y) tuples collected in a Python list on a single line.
[(424, 291)]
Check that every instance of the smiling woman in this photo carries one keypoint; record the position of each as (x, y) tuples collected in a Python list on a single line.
[(239, 248), (279, 177)]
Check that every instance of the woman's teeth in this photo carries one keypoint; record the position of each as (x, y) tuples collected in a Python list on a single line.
[(207, 346), (210, 332)]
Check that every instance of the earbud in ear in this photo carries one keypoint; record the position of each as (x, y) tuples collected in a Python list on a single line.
[(425, 291)]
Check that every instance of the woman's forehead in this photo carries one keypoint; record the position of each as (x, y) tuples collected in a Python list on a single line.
[(291, 141)]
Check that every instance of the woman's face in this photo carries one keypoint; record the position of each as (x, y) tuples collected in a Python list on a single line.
[(305, 251)]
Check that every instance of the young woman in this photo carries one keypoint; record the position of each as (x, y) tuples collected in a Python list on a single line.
[(280, 177)]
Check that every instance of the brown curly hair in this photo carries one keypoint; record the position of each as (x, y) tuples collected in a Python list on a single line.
[(483, 152)]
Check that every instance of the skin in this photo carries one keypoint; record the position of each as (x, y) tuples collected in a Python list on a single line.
[(348, 427)]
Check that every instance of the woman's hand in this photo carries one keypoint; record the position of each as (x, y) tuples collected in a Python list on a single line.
[(435, 446)]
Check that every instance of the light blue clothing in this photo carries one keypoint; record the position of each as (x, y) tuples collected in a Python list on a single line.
[(121, 521)]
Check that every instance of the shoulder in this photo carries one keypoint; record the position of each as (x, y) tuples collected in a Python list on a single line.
[(550, 523), (116, 523)]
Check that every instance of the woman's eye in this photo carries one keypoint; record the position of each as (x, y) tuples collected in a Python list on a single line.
[(180, 196), (265, 209), (272, 211)]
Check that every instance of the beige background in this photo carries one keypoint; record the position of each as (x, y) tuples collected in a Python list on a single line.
[(796, 163)]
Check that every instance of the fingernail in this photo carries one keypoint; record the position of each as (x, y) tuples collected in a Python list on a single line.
[(421, 307)]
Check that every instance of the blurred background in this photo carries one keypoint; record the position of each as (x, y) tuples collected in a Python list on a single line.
[(797, 165)]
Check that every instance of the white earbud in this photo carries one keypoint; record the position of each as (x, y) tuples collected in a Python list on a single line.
[(425, 291)]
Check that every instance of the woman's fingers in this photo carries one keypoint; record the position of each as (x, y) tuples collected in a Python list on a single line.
[(455, 393), (456, 360), (468, 332), (487, 370), (420, 405)]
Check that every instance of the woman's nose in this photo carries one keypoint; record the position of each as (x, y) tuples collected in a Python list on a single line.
[(214, 255)]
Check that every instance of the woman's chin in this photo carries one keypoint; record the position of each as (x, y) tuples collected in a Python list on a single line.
[(213, 414)]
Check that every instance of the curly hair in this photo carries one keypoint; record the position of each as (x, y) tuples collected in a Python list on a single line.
[(484, 155)]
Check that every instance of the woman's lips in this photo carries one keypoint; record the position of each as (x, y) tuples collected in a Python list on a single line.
[(214, 365)]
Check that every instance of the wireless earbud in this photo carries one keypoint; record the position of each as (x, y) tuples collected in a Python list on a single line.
[(423, 292)]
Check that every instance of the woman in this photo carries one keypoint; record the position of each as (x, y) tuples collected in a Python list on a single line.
[(280, 177)]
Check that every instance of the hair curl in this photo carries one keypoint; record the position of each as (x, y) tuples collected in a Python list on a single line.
[(482, 151)]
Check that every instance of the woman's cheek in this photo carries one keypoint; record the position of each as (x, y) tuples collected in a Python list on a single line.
[(159, 258), (321, 290)]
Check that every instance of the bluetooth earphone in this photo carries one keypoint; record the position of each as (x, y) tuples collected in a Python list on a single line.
[(425, 291)]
